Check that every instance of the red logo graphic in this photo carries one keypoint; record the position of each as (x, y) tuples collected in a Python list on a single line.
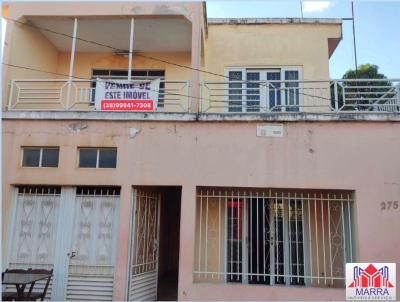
[(371, 277)]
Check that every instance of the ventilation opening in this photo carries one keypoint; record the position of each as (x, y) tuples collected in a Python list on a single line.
[(98, 191), (39, 190)]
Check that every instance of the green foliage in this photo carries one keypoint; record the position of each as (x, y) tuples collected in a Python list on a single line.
[(363, 95), (365, 71)]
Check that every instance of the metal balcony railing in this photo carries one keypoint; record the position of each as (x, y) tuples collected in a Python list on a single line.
[(249, 97), (301, 96), (79, 95)]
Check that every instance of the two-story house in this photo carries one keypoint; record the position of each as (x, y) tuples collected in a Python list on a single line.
[(253, 175)]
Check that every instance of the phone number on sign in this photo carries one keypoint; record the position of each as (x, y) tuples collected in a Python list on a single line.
[(139, 105)]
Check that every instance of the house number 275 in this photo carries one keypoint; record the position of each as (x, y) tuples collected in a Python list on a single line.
[(389, 205)]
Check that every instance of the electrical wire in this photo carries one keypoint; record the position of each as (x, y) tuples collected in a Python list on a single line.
[(269, 84), (91, 80)]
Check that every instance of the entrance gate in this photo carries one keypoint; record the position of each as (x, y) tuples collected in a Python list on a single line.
[(143, 274), (73, 231)]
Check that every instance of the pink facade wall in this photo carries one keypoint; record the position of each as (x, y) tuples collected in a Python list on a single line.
[(359, 156)]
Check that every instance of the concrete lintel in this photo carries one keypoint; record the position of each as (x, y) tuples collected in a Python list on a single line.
[(207, 117)]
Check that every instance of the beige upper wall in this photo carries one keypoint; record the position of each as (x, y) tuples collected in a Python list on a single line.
[(26, 46), (271, 45), (86, 62)]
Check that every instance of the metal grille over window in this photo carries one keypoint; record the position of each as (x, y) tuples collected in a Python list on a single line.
[(271, 237)]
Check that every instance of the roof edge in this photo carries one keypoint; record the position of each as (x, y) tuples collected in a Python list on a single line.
[(250, 21)]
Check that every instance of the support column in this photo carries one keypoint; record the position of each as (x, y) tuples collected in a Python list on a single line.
[(131, 49), (71, 63), (194, 90), (187, 241), (122, 252)]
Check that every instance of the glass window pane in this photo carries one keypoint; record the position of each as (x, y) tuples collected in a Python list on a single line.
[(87, 158), (50, 157), (291, 75), (139, 73), (156, 73), (101, 72), (31, 157), (292, 90), (108, 158), (235, 95), (253, 92), (119, 72), (274, 90)]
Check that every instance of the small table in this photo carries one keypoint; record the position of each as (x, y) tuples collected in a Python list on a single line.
[(20, 280)]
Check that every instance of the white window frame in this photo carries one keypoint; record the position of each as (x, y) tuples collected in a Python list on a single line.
[(23, 148), (264, 96), (226, 98), (299, 69)]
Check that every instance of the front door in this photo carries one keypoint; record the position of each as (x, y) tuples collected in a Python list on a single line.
[(93, 247), (33, 230), (143, 274), (71, 230)]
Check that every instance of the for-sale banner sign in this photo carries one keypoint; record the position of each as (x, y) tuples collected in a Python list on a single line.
[(124, 95)]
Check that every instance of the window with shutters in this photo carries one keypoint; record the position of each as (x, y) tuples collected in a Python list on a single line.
[(261, 90)]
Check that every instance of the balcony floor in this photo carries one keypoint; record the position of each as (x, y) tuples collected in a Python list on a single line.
[(202, 117)]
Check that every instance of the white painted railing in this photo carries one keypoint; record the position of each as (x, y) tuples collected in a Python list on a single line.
[(250, 97), (79, 95), (301, 96)]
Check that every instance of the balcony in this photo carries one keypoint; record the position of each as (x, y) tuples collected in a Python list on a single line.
[(355, 95), (227, 98), (67, 54), (79, 95)]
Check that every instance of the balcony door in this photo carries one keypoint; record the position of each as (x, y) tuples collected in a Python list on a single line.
[(263, 90)]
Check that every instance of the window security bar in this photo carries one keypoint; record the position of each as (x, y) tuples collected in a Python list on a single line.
[(285, 237)]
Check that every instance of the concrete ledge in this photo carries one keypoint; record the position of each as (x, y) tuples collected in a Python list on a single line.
[(304, 117), (248, 21), (205, 117), (99, 115)]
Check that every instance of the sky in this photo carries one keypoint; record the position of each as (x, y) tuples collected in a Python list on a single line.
[(377, 25)]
